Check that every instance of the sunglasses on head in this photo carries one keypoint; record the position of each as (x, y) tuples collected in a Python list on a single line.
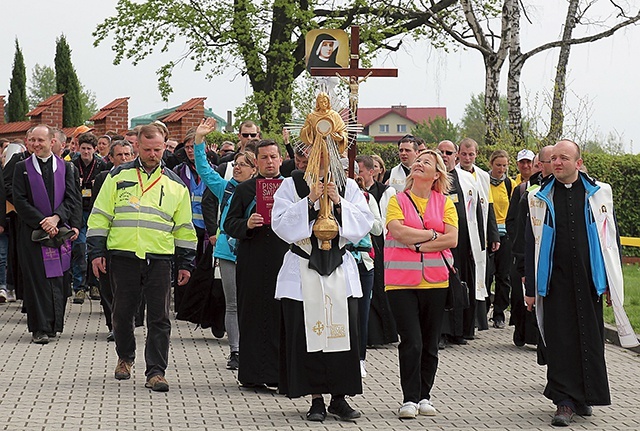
[(247, 135)]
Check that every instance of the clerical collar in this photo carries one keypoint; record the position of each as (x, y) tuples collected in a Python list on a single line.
[(46, 159), (406, 170)]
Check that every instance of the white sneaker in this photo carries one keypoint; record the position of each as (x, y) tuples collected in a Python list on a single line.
[(3, 296), (426, 408), (363, 369), (11, 296), (408, 410)]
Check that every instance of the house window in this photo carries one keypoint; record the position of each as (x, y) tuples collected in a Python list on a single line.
[(384, 128), (402, 128)]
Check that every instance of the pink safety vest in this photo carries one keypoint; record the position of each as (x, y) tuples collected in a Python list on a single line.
[(402, 265)]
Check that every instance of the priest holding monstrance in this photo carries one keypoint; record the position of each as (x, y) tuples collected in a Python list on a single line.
[(318, 213)]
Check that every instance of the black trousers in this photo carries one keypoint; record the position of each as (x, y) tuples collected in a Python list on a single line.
[(132, 281), (502, 269), (418, 314)]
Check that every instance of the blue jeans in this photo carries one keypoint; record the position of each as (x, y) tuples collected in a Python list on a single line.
[(364, 306)]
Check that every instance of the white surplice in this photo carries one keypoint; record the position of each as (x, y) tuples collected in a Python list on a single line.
[(324, 297)]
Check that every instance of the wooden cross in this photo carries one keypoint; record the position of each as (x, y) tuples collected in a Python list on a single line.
[(354, 75)]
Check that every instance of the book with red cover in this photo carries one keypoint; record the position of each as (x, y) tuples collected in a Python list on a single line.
[(265, 189)]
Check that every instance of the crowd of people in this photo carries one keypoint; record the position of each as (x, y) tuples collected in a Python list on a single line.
[(314, 266)]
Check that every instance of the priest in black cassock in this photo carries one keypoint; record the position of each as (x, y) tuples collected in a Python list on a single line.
[(260, 253), (48, 203), (469, 256), (572, 265)]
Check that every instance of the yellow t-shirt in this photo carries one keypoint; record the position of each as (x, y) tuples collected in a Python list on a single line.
[(501, 200), (394, 212)]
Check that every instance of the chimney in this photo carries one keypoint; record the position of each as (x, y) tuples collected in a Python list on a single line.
[(229, 127), (400, 109), (2, 110)]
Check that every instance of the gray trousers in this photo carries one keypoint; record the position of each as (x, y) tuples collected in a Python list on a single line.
[(228, 274)]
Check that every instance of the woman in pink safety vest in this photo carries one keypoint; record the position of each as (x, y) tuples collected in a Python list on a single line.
[(423, 226)]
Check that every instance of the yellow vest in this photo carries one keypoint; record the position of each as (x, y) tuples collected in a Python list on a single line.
[(152, 217)]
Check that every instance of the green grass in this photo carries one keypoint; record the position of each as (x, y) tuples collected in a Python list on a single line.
[(631, 298)]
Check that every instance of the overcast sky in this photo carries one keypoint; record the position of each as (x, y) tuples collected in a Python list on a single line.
[(603, 86)]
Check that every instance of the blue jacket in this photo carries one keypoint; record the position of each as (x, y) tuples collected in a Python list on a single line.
[(540, 260), (223, 190)]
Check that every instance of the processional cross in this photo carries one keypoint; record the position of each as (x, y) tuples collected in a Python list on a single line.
[(353, 75)]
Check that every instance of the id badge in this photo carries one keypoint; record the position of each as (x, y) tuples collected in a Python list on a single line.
[(86, 193), (454, 197), (134, 201)]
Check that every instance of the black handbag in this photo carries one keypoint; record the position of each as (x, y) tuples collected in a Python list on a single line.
[(457, 292)]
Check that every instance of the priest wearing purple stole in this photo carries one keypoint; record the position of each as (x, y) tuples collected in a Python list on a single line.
[(47, 200)]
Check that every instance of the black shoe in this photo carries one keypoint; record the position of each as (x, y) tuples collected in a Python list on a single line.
[(52, 336), (498, 324), (517, 339), (583, 410), (469, 337), (563, 416), (458, 340), (39, 337), (317, 412), (339, 407), (234, 361), (111, 337), (218, 333), (442, 343)]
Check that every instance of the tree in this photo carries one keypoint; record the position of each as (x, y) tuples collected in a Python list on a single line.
[(436, 130), (17, 104), (262, 40), (575, 15), (67, 83), (43, 84)]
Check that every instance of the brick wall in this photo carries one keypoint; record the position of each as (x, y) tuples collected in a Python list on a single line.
[(116, 120), (192, 119), (51, 116)]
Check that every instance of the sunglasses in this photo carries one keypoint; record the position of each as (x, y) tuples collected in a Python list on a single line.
[(247, 135), (448, 153)]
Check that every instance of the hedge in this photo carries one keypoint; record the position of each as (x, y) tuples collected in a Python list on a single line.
[(621, 171)]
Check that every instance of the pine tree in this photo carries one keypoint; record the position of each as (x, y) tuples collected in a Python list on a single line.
[(17, 104), (67, 83)]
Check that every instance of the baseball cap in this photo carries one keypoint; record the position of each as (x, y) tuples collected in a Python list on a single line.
[(525, 155)]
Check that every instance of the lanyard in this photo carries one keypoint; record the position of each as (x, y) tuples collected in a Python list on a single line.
[(151, 185), (85, 179)]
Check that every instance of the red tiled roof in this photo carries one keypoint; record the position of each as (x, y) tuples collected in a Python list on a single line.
[(106, 110), (42, 106), (15, 127), (68, 131), (367, 116), (182, 110)]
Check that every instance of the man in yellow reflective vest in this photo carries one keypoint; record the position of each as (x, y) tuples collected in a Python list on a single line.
[(140, 220)]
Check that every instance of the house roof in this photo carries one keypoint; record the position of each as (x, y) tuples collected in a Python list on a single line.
[(15, 127), (183, 109), (367, 116), (106, 110), (42, 106), (149, 118)]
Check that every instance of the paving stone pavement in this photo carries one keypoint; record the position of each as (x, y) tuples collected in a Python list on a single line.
[(68, 384)]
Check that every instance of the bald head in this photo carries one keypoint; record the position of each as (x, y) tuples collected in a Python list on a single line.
[(544, 160), (449, 151), (566, 161)]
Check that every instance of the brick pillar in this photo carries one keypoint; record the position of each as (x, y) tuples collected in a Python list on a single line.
[(52, 116)]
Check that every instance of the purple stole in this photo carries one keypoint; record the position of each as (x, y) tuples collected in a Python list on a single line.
[(56, 260)]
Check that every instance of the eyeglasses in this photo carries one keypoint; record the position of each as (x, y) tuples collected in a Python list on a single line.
[(243, 165), (226, 151), (247, 135), (448, 153)]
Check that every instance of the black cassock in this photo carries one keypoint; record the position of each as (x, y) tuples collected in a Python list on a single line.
[(260, 254), (573, 323), (44, 298), (382, 326), (460, 322)]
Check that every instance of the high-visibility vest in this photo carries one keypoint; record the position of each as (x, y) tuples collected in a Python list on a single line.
[(153, 221), (403, 266)]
